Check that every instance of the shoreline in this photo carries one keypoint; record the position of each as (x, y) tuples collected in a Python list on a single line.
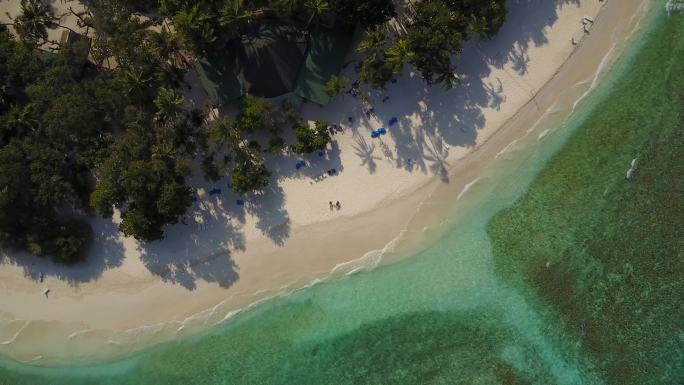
[(309, 242)]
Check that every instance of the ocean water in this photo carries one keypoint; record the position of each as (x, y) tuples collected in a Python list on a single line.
[(463, 311)]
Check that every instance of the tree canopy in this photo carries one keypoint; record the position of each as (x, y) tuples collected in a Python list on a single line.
[(434, 34), (311, 139), (115, 134), (74, 138), (51, 131), (142, 178)]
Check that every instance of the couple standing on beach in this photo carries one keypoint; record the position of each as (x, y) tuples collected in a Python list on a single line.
[(336, 205)]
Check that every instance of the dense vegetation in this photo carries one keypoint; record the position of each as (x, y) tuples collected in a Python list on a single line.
[(47, 147), (603, 252), (434, 32), (100, 126)]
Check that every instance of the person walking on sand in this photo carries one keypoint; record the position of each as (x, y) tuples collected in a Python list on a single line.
[(338, 205), (331, 206)]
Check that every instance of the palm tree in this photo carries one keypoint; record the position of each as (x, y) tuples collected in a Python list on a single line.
[(168, 104), (223, 132), (164, 44), (373, 43), (365, 99), (316, 8), (447, 76), (478, 26), (33, 22), (193, 25), (398, 54), (136, 82), (22, 120), (336, 85), (168, 75), (163, 150), (233, 15)]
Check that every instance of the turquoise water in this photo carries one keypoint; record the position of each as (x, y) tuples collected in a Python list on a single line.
[(443, 316)]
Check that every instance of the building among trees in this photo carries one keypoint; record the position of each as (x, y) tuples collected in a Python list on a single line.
[(272, 59)]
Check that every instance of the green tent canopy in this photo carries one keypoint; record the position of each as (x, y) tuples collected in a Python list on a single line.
[(219, 77), (265, 62), (272, 54), (274, 59), (327, 51)]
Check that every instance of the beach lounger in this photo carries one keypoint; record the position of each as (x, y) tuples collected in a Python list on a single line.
[(393, 121), (382, 131), (240, 202), (375, 134), (216, 191)]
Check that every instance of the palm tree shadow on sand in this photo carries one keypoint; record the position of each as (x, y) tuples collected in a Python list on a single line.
[(197, 248), (455, 116)]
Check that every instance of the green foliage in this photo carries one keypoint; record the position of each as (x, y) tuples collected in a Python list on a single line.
[(197, 28), (375, 70), (60, 126), (223, 132), (206, 25), (145, 182), (257, 114), (168, 104), (336, 85), (315, 9), (250, 177), (54, 129), (34, 21), (276, 145), (483, 18), (164, 44), (398, 54), (34, 185), (210, 169), (311, 139), (289, 111), (19, 62), (436, 34), (247, 170), (233, 16)]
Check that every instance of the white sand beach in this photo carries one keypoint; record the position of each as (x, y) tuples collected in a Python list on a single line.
[(224, 256)]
